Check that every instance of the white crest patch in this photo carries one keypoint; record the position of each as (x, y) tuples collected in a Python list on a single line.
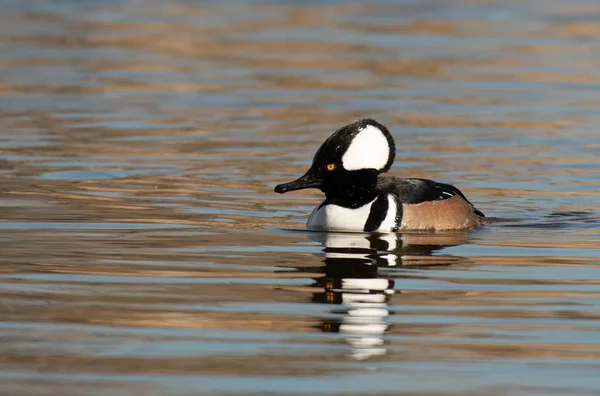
[(368, 150)]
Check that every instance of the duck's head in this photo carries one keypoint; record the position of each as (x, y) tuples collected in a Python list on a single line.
[(351, 158)]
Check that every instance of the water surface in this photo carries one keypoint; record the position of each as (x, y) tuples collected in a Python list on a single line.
[(144, 252)]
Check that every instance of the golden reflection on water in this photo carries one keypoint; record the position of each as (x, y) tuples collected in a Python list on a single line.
[(139, 145)]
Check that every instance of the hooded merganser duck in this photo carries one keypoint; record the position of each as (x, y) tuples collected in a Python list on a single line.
[(347, 169)]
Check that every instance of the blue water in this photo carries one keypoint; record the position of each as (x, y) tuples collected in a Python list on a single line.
[(143, 250)]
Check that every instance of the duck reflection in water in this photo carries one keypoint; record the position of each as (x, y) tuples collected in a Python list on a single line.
[(355, 278)]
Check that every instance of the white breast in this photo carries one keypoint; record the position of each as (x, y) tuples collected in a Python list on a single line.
[(337, 218)]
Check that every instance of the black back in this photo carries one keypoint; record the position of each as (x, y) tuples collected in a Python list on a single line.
[(415, 191)]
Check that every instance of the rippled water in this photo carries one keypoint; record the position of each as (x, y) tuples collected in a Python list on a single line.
[(144, 252)]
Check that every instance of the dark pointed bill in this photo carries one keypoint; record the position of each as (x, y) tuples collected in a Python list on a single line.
[(306, 181)]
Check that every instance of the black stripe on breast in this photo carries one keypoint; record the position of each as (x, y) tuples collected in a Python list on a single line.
[(377, 214), (399, 214)]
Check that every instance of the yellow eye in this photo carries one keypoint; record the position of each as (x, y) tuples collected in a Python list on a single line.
[(330, 167)]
